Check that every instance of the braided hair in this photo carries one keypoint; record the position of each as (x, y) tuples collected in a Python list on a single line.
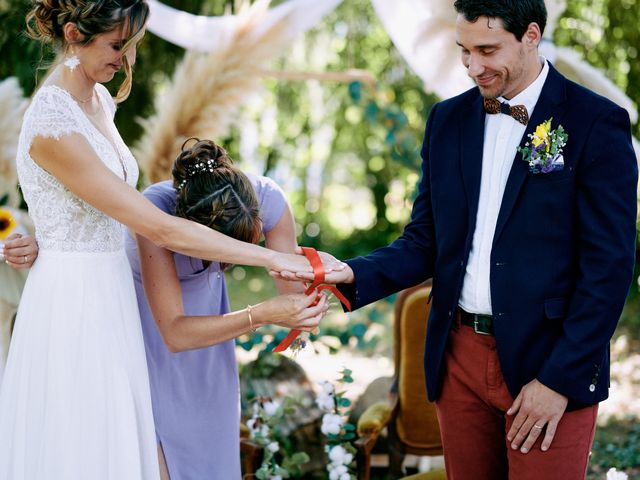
[(212, 192)]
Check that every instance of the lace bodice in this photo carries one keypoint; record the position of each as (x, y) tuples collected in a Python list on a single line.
[(63, 222)]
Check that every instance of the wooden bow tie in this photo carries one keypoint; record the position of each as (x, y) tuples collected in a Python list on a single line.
[(518, 112)]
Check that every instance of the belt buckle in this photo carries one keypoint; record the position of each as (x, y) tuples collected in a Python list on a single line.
[(475, 326)]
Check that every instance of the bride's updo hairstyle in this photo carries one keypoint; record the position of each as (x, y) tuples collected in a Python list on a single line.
[(212, 192), (47, 18)]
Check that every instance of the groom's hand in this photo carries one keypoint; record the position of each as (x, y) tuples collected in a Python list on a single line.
[(537, 407)]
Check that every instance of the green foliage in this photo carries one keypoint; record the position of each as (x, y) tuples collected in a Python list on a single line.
[(294, 463), (606, 33), (617, 444)]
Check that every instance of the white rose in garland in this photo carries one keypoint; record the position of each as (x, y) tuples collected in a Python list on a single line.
[(614, 474), (331, 424), (339, 455), (271, 408)]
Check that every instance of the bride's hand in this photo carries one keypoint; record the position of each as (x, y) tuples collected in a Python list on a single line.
[(20, 251), (287, 265), (292, 310)]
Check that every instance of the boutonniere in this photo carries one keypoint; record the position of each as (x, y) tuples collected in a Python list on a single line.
[(544, 152)]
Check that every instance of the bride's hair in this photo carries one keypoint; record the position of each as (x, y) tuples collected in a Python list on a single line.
[(47, 18), (212, 192)]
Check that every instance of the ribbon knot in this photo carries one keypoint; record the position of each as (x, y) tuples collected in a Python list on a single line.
[(317, 286)]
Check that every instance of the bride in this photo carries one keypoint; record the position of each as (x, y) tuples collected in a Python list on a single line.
[(75, 401)]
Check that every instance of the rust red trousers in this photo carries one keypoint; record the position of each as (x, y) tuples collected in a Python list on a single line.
[(473, 422)]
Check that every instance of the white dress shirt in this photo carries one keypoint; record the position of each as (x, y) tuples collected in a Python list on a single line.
[(502, 136)]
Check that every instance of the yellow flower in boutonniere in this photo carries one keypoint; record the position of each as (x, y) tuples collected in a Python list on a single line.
[(541, 134), (7, 223)]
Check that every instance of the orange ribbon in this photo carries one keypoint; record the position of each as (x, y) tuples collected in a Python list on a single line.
[(317, 286)]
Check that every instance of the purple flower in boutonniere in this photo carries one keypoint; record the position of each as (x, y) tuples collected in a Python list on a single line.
[(544, 152)]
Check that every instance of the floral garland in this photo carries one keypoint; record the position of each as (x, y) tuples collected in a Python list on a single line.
[(263, 429), (339, 434)]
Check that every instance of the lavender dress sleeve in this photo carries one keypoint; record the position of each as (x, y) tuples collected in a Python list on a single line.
[(196, 394)]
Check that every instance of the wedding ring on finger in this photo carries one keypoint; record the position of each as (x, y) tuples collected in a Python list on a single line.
[(25, 259), (537, 427)]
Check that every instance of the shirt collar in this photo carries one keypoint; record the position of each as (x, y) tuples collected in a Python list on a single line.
[(529, 96)]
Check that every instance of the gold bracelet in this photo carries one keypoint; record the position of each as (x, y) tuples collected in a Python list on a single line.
[(251, 327)]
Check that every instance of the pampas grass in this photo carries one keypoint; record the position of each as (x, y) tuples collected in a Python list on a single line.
[(12, 107), (208, 88)]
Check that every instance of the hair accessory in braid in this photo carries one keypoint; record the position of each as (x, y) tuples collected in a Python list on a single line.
[(197, 168)]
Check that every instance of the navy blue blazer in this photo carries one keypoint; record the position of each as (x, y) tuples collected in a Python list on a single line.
[(563, 252)]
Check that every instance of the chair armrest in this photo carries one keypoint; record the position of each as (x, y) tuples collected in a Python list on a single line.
[(374, 419), (252, 455), (431, 475), (370, 424)]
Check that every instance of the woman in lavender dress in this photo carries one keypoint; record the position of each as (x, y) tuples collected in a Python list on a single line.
[(187, 328)]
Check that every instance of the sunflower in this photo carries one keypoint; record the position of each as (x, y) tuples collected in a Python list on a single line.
[(7, 223)]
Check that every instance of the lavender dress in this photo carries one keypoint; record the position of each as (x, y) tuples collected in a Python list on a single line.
[(196, 394)]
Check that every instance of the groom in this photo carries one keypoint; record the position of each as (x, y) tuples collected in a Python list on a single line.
[(531, 261)]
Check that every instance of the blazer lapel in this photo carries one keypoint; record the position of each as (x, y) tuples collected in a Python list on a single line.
[(472, 141), (552, 95)]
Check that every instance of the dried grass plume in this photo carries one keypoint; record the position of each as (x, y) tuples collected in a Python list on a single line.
[(208, 88), (12, 107)]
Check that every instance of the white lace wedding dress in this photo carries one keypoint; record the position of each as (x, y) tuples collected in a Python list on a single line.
[(75, 401)]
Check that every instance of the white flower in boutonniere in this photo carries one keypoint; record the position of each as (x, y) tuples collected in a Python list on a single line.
[(544, 152)]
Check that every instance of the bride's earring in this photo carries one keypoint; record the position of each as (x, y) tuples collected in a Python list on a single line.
[(72, 62)]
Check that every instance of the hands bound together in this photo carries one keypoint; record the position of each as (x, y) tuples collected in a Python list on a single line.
[(297, 268)]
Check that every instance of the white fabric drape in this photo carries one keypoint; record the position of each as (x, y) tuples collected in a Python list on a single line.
[(203, 33), (424, 34)]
